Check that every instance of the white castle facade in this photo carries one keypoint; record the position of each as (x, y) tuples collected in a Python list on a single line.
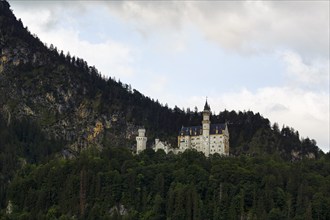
[(207, 138)]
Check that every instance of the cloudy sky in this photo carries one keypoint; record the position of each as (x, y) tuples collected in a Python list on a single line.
[(270, 57)]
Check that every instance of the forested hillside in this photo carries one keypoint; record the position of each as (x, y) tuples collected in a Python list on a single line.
[(67, 135)]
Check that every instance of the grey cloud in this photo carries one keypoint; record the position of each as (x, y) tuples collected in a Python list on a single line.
[(243, 26), (248, 26), (149, 14), (277, 108), (309, 75)]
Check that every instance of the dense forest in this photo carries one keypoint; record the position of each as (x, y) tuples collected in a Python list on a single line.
[(37, 182), (115, 184)]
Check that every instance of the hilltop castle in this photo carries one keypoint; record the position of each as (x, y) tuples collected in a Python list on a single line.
[(207, 138)]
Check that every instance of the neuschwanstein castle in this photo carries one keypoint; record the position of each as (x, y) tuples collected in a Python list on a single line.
[(208, 138)]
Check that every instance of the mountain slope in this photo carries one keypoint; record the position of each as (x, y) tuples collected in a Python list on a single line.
[(64, 95), (71, 102)]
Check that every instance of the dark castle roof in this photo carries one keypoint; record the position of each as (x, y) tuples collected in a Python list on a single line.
[(198, 130), (206, 106)]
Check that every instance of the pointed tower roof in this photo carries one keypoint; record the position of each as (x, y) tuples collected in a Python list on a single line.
[(206, 106)]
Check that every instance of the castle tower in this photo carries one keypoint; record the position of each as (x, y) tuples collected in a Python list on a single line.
[(206, 129), (141, 141)]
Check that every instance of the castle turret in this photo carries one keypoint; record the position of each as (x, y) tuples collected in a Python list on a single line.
[(206, 129), (141, 141)]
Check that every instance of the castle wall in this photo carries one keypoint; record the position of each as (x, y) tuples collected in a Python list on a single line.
[(196, 143), (217, 144), (185, 143)]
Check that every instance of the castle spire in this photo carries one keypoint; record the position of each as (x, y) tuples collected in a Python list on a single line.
[(206, 106)]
